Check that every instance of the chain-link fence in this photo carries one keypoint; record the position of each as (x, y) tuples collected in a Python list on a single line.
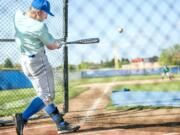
[(150, 39), (149, 26)]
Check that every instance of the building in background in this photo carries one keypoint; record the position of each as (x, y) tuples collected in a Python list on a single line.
[(141, 63)]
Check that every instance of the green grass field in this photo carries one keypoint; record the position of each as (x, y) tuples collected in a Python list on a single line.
[(117, 79), (163, 86), (13, 101)]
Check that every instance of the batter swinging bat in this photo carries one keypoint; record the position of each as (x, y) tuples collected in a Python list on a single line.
[(82, 41)]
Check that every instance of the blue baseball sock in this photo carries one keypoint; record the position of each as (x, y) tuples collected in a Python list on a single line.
[(35, 106), (53, 112)]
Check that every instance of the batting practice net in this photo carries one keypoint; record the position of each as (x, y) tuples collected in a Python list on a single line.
[(137, 38)]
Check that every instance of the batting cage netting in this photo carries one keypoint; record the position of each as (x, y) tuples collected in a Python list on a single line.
[(138, 40)]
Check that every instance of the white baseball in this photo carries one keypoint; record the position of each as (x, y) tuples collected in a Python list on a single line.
[(120, 30)]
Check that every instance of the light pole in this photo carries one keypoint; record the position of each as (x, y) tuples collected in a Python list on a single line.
[(116, 57), (115, 51)]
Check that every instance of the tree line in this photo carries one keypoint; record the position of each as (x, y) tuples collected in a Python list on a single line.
[(168, 56), (8, 64)]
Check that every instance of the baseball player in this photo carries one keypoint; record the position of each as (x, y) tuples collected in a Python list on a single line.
[(166, 72), (32, 37)]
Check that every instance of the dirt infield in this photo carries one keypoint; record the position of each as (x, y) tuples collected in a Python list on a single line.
[(50, 130), (88, 110)]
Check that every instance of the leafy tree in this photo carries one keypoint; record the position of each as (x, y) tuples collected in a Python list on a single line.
[(83, 65), (8, 63), (1, 66), (108, 63), (17, 66), (72, 67), (153, 59), (176, 55), (170, 56), (125, 61)]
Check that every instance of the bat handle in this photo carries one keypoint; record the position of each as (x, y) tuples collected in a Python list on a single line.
[(60, 44)]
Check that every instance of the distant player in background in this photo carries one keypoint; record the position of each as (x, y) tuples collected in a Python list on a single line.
[(166, 72), (31, 38)]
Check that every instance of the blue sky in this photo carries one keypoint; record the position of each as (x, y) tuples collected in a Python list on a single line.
[(149, 26)]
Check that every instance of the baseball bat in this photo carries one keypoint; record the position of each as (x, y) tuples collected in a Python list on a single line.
[(81, 41)]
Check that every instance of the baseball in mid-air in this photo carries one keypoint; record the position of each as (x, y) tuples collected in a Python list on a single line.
[(120, 30)]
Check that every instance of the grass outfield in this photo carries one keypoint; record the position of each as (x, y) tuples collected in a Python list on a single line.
[(13, 101), (117, 79), (164, 86)]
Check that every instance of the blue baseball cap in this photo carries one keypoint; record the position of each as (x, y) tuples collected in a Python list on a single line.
[(43, 5)]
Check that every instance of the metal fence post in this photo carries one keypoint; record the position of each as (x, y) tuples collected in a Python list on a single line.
[(65, 57)]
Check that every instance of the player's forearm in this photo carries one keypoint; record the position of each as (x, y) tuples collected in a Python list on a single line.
[(54, 46)]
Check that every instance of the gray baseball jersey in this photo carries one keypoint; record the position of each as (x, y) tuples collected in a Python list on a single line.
[(31, 38)]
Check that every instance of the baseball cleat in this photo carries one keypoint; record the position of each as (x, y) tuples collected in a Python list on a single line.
[(67, 128), (19, 123)]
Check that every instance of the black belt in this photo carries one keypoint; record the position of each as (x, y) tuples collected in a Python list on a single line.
[(33, 55)]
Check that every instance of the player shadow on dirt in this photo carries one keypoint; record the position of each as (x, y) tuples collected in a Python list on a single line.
[(132, 126), (113, 120), (120, 113)]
